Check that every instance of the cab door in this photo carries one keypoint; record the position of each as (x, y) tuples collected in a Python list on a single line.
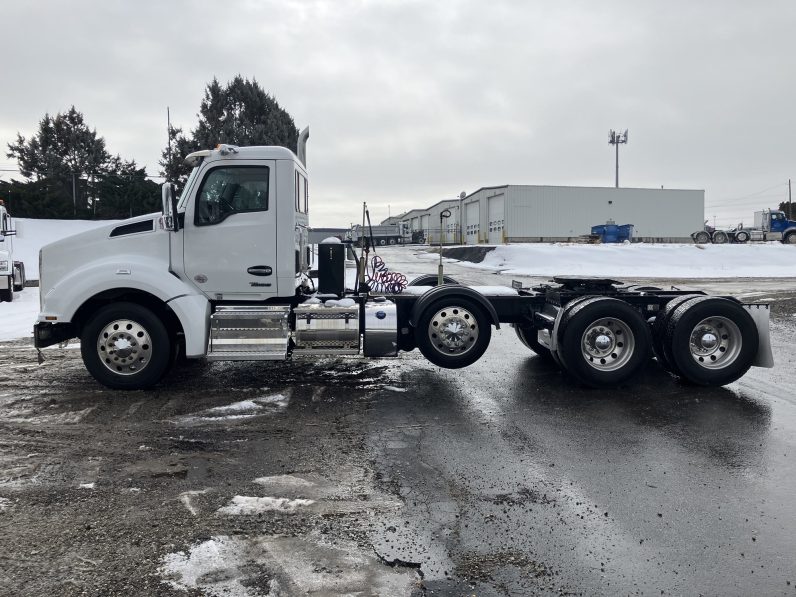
[(229, 248)]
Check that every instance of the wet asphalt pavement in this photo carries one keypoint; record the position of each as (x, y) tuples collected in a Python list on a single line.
[(390, 477)]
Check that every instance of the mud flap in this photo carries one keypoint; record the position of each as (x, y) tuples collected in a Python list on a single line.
[(760, 315)]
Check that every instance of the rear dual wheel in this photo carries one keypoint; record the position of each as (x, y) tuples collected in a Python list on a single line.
[(530, 338), (602, 341), (709, 341)]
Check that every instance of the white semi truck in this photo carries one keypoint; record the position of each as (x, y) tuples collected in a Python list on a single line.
[(223, 274), (12, 273)]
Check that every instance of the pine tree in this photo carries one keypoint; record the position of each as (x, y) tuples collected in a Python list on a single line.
[(240, 113)]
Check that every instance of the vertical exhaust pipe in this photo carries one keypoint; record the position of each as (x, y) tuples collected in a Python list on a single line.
[(301, 149)]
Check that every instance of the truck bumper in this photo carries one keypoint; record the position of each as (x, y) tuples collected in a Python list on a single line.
[(47, 334)]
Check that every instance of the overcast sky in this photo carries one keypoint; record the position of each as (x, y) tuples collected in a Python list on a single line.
[(412, 102)]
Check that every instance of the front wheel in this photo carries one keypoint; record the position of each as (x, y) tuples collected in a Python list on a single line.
[(790, 238), (453, 332), (742, 237), (603, 341), (126, 347)]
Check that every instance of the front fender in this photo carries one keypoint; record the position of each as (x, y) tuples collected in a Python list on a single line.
[(63, 300)]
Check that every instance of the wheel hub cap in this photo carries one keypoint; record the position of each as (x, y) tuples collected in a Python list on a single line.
[(124, 347), (715, 342), (607, 344), (453, 330)]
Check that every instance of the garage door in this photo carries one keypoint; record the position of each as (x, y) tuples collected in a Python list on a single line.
[(471, 220), (495, 219)]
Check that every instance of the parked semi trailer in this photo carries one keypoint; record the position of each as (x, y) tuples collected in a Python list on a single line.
[(380, 235), (12, 273), (769, 224), (222, 274)]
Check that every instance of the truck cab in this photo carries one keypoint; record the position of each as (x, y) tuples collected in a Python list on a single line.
[(773, 224), (12, 273)]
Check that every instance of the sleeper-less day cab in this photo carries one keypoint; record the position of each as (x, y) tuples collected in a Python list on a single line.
[(12, 273), (223, 273)]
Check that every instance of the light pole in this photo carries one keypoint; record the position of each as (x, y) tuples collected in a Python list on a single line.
[(617, 139), (444, 214)]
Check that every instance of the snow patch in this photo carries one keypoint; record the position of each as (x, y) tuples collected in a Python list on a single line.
[(284, 481), (242, 505), (5, 504), (86, 486), (394, 389), (236, 411)]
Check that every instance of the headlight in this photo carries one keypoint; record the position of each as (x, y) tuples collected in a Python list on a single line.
[(3, 265)]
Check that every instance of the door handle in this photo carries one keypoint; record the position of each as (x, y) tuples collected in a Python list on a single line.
[(260, 270)]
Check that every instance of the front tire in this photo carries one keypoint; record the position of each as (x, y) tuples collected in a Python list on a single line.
[(126, 347), (453, 332), (742, 237), (790, 238), (603, 341), (8, 294)]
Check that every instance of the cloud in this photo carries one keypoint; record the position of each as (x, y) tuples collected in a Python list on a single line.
[(410, 102)]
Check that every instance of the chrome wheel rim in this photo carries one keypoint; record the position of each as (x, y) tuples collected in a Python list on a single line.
[(453, 330), (715, 342), (124, 347), (607, 344)]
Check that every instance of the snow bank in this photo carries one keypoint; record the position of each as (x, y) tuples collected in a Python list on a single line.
[(32, 235), (17, 318), (244, 505), (763, 260)]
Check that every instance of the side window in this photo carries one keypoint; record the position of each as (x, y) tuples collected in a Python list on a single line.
[(231, 190), (302, 203)]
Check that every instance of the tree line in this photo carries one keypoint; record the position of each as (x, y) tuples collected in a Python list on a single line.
[(68, 173)]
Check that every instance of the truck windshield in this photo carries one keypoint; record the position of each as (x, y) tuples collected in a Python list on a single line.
[(186, 189)]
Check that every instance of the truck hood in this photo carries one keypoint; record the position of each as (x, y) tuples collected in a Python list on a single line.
[(110, 243)]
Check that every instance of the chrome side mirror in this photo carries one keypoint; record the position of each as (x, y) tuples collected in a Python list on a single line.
[(169, 220)]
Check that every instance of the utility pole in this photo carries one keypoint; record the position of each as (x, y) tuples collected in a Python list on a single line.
[(617, 139), (790, 204)]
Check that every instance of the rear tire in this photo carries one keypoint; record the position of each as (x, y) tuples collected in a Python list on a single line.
[(453, 332), (603, 341), (21, 286), (431, 280), (126, 347), (702, 237), (720, 238), (713, 340), (529, 337), (661, 343)]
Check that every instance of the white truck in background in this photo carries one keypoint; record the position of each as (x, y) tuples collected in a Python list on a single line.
[(12, 273), (223, 274)]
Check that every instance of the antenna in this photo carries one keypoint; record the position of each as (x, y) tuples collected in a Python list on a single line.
[(168, 133), (616, 139)]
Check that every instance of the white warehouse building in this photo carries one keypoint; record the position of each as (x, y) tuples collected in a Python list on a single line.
[(540, 213)]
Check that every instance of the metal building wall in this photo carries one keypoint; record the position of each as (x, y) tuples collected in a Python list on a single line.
[(449, 228), (534, 213)]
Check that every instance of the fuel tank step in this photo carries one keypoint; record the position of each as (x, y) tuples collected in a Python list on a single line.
[(249, 333)]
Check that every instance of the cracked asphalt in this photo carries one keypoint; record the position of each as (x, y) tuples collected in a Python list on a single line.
[(395, 477)]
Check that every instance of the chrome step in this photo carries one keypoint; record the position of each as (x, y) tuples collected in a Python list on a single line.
[(245, 332)]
